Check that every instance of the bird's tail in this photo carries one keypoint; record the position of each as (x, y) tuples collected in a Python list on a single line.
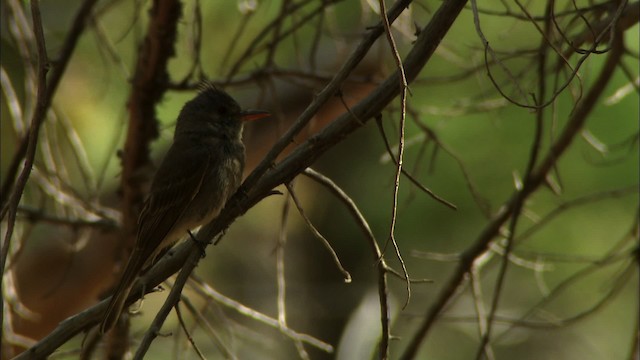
[(119, 298)]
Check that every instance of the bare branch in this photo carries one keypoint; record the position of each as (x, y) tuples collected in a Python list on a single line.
[(538, 176)]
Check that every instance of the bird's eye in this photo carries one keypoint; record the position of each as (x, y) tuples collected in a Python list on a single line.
[(223, 110)]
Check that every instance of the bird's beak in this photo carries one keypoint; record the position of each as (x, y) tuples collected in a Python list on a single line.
[(250, 115)]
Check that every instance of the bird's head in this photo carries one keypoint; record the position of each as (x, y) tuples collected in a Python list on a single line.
[(214, 113)]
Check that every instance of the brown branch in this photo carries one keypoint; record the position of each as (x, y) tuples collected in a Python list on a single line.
[(148, 86), (399, 169)]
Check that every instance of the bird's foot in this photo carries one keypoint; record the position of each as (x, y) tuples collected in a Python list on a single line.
[(201, 244)]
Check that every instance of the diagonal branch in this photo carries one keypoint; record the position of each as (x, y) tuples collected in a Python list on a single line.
[(538, 176), (149, 78), (58, 67), (329, 90)]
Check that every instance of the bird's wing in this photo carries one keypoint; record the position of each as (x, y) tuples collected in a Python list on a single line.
[(177, 182)]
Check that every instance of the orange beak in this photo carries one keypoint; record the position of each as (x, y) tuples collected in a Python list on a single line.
[(250, 115)]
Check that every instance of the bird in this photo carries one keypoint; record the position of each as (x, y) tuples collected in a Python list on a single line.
[(201, 170)]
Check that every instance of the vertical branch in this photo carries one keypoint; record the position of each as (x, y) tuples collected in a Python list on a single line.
[(281, 280), (378, 256), (148, 86), (519, 203), (280, 273), (403, 113), (172, 300)]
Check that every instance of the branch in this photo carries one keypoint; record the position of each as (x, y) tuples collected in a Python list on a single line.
[(538, 176), (148, 86), (58, 69), (170, 302), (149, 83), (378, 257), (518, 204), (336, 260), (36, 122), (329, 90)]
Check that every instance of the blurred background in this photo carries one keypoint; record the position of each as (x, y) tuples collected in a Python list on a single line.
[(571, 289)]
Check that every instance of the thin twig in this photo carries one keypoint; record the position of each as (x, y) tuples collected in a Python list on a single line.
[(403, 116), (202, 321), (378, 257), (170, 302), (323, 96), (34, 129), (518, 204), (280, 273), (212, 294), (318, 235), (187, 333), (413, 180)]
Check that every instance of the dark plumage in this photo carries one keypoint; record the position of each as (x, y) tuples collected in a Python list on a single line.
[(201, 170)]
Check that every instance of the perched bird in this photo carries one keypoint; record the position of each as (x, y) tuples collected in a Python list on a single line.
[(201, 170)]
